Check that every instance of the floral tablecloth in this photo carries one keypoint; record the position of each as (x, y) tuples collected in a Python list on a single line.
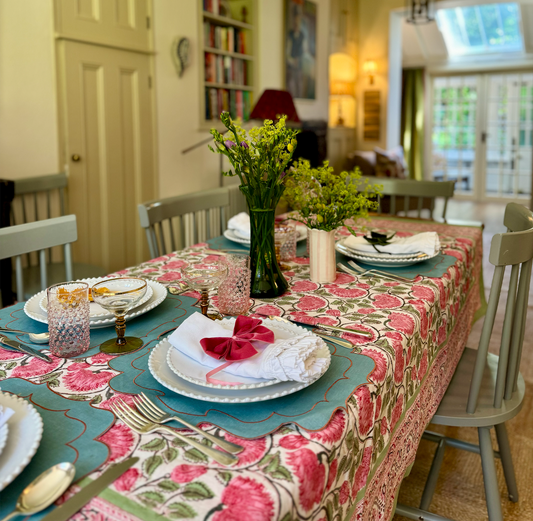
[(353, 468)]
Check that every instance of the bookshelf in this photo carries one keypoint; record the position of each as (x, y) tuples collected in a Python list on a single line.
[(227, 59)]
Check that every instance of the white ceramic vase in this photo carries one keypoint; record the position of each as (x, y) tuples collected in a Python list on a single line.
[(322, 255)]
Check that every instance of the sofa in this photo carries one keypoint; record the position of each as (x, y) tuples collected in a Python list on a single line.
[(378, 162)]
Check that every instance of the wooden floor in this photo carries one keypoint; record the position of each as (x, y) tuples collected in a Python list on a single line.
[(460, 494)]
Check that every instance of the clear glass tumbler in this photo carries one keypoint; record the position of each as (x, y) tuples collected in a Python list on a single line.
[(234, 291), (68, 318), (288, 248)]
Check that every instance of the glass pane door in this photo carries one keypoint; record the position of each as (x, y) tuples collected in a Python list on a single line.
[(454, 130), (509, 138)]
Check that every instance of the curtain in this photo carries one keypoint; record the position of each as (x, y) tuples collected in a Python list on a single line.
[(412, 133)]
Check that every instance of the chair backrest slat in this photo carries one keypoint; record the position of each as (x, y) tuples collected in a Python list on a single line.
[(201, 214), (506, 337), (425, 191), (519, 328), (515, 249), (486, 333)]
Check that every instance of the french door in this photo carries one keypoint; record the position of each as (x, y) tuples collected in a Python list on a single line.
[(482, 134)]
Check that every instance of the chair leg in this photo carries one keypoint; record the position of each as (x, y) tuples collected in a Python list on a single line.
[(433, 475), (492, 492), (507, 461)]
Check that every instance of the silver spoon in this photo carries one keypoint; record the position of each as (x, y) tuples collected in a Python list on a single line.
[(36, 338), (44, 490)]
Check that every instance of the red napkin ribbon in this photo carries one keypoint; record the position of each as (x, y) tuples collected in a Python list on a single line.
[(237, 347)]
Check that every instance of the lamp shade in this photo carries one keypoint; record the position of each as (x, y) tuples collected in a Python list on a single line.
[(275, 103), (341, 88), (342, 67)]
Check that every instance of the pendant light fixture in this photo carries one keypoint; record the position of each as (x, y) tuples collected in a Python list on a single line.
[(420, 11)]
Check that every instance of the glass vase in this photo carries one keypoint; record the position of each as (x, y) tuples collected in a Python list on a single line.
[(267, 280)]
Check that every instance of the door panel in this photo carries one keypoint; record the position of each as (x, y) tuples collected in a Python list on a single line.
[(122, 23), (454, 130), (108, 118), (509, 135)]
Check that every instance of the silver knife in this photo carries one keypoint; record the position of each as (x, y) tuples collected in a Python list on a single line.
[(76, 502), (23, 348), (361, 332), (335, 340)]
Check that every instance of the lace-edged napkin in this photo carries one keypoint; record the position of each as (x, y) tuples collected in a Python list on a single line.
[(5, 414), (426, 242), (240, 223), (296, 358)]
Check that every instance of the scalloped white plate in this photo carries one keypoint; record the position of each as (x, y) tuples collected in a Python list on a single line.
[(33, 310), (4, 431), (194, 372), (234, 235), (97, 312), (385, 261), (160, 370), (26, 431)]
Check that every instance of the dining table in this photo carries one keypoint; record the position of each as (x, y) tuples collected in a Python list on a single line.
[(338, 451)]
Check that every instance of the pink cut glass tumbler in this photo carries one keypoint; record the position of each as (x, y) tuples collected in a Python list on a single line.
[(234, 291), (68, 318)]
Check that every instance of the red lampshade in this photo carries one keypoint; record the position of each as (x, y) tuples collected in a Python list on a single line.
[(274, 103)]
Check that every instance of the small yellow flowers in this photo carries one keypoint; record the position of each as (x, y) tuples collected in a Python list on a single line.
[(326, 200), (290, 148)]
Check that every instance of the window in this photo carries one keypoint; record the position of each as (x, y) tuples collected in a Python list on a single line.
[(481, 29)]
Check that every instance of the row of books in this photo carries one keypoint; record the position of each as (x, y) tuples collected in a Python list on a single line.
[(224, 38), (224, 69), (213, 6), (237, 102)]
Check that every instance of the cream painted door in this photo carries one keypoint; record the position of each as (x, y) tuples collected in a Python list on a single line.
[(109, 146), (121, 23)]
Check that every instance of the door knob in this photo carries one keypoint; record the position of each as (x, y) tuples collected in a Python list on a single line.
[(75, 157)]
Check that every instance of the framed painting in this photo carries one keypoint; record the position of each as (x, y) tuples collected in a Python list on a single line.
[(300, 48)]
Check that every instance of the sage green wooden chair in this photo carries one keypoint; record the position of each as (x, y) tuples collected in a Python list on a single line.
[(404, 195), (176, 222), (39, 236), (488, 390), (38, 198)]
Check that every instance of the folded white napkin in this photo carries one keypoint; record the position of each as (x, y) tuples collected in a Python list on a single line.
[(426, 242), (5, 414), (297, 358), (240, 223)]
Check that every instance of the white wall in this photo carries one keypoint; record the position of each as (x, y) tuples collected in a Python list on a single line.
[(178, 99), (28, 100), (28, 103)]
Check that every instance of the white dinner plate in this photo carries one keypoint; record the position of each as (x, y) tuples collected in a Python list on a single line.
[(4, 431), (235, 236), (159, 293), (383, 260), (160, 370), (194, 372), (25, 433), (97, 312)]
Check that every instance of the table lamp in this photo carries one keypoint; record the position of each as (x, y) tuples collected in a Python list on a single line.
[(274, 103)]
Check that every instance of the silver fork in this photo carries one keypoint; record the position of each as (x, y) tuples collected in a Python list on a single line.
[(383, 273), (140, 424), (361, 272), (155, 414)]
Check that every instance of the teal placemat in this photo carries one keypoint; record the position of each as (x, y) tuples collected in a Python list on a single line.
[(311, 408), (69, 434), (435, 267), (147, 326)]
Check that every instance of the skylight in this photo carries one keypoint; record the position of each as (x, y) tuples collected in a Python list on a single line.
[(481, 29)]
